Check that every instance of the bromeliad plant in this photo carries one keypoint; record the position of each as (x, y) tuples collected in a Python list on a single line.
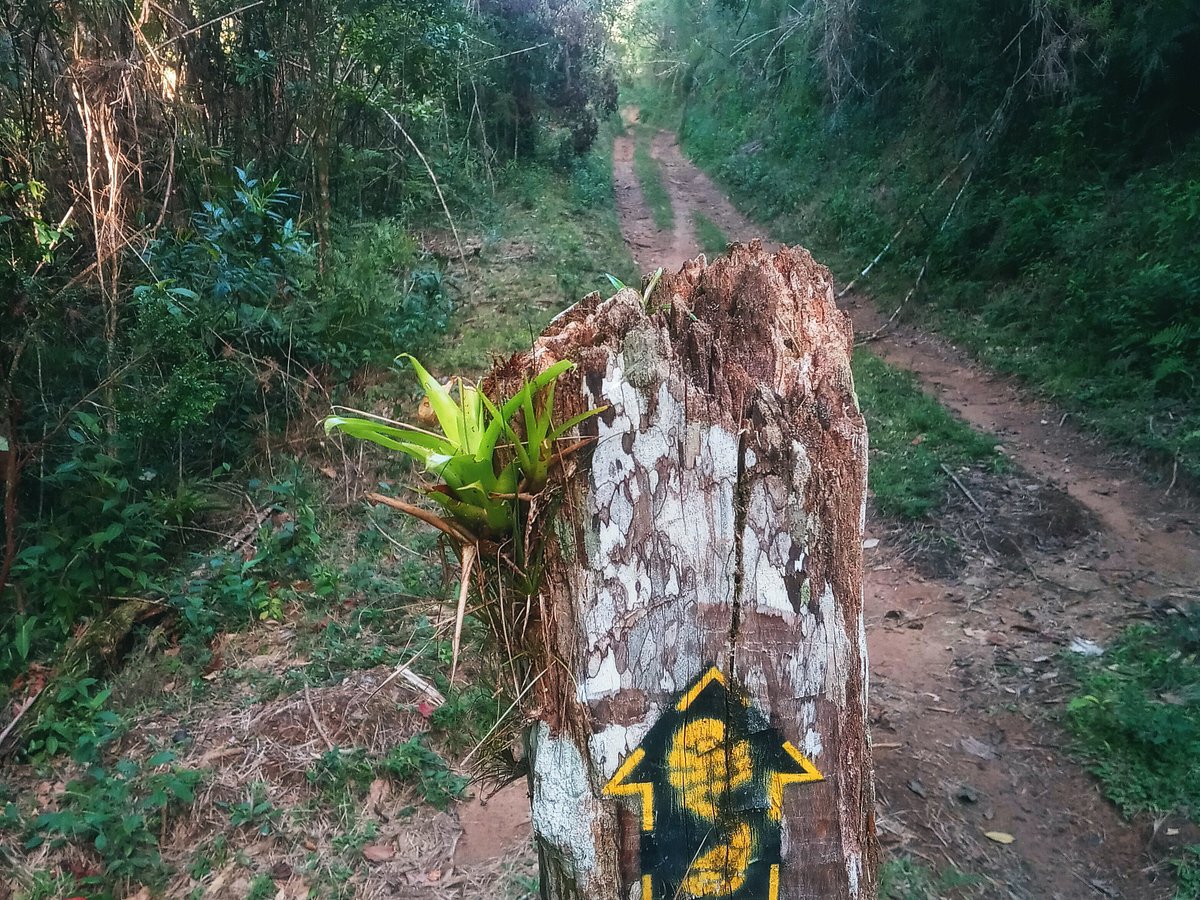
[(479, 488), (489, 459)]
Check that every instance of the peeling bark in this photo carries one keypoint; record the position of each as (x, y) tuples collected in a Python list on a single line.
[(717, 521)]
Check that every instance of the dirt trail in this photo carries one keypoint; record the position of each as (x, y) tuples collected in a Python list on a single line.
[(691, 191), (966, 649)]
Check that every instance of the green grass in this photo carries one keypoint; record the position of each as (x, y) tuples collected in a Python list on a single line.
[(1137, 718), (1187, 873), (711, 238), (549, 240), (912, 436), (903, 878), (1136, 724), (649, 175)]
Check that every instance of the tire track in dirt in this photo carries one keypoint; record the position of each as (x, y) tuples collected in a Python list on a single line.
[(691, 191), (965, 668)]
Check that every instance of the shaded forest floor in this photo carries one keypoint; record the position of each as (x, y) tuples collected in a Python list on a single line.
[(973, 617)]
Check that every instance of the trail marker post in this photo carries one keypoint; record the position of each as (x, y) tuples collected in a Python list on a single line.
[(702, 722)]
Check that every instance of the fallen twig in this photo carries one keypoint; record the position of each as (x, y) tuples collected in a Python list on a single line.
[(469, 554), (421, 684), (316, 719), (962, 487)]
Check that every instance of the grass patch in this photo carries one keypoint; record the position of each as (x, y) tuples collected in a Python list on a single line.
[(357, 600), (1187, 872), (649, 175), (1137, 718), (912, 435), (1136, 723), (711, 238), (903, 878), (549, 240)]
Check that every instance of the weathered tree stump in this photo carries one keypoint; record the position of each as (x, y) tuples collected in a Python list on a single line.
[(702, 723)]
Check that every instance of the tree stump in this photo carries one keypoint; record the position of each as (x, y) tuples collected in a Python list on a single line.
[(701, 725)]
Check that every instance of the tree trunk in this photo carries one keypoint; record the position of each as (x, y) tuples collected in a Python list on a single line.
[(702, 724)]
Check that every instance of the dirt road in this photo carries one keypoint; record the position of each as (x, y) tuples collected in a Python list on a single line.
[(966, 643)]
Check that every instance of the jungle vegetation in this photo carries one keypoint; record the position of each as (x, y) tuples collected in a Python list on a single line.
[(1029, 172), (207, 220)]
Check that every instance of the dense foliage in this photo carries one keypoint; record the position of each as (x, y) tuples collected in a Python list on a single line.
[(1041, 158), (206, 222)]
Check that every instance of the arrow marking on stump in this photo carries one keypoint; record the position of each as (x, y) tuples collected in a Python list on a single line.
[(710, 775)]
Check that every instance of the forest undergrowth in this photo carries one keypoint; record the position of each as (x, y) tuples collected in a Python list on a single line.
[(200, 615), (225, 227), (136, 775)]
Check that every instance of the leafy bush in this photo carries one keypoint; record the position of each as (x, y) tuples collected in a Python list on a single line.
[(376, 299), (108, 531), (119, 812), (1068, 258), (415, 761), (217, 331), (236, 331), (232, 589), (77, 721)]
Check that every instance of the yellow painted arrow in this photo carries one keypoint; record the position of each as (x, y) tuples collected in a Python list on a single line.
[(618, 787), (701, 763)]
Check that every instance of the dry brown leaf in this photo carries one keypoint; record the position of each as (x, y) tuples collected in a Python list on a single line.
[(380, 788), (378, 852)]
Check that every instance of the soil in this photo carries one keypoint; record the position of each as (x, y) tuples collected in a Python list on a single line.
[(691, 191), (969, 618)]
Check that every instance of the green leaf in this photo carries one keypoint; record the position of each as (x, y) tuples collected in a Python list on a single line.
[(518, 447), (448, 413), (496, 516), (573, 421), (420, 445), (108, 535), (472, 416)]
